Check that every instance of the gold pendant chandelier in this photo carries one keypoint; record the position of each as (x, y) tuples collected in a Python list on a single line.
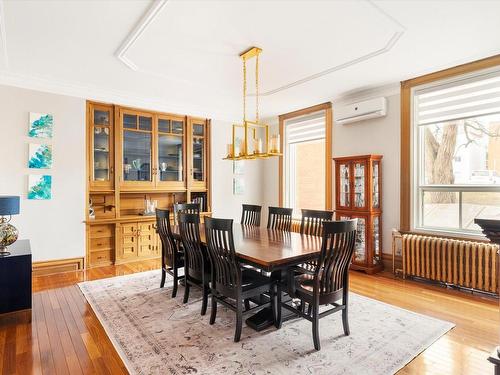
[(251, 146)]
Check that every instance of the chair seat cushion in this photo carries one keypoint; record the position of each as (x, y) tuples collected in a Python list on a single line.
[(253, 279)]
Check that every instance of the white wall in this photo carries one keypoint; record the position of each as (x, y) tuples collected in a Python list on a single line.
[(55, 227), (224, 203), (376, 136)]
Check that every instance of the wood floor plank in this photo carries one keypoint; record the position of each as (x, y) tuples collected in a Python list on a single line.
[(63, 335)]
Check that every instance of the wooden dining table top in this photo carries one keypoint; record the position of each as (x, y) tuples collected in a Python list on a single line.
[(269, 249)]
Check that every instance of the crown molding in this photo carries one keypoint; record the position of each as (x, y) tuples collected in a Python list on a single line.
[(141, 26), (3, 36), (87, 92)]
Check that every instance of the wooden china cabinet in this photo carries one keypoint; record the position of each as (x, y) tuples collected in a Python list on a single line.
[(133, 156), (358, 194)]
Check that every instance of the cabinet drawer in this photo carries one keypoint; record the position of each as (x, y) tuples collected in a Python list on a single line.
[(104, 243), (97, 231), (100, 257)]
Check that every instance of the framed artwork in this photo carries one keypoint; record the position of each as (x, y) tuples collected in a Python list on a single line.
[(39, 187), (41, 125), (40, 156), (239, 167), (238, 186)]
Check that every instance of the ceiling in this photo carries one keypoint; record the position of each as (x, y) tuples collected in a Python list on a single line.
[(182, 56)]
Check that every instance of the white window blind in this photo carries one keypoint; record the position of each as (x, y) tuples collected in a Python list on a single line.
[(305, 128), (464, 98)]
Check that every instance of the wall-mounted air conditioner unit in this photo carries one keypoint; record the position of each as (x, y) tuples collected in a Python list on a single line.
[(345, 114)]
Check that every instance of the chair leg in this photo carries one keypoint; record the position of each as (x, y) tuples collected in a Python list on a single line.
[(176, 282), (186, 292), (247, 304), (315, 326), (213, 314), (205, 301), (239, 321), (345, 317), (163, 275)]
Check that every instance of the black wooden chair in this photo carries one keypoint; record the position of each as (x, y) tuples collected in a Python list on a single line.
[(189, 208), (312, 221), (196, 262), (329, 282), (251, 214), (230, 281), (279, 218), (171, 258)]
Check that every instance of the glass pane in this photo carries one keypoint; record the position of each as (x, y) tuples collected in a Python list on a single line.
[(130, 121), (485, 205), (462, 152), (306, 175), (145, 123), (359, 185), (136, 156), (198, 155), (101, 117), (177, 127), (376, 240), (440, 209), (360, 246), (375, 193), (170, 157), (344, 185), (101, 154), (198, 129), (164, 126)]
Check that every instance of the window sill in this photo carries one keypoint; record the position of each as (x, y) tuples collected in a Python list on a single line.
[(453, 235)]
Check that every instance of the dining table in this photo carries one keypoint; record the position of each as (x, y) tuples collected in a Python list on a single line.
[(270, 250)]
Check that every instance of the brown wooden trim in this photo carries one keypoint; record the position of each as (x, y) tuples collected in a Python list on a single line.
[(327, 107), (387, 262), (406, 86), (48, 267)]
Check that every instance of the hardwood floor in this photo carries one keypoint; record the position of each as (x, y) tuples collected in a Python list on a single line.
[(63, 336)]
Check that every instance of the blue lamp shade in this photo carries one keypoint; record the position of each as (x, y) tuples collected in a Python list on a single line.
[(9, 205)]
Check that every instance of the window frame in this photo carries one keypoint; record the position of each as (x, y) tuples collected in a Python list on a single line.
[(327, 107), (409, 151)]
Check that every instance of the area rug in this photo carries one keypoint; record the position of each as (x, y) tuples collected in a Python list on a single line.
[(155, 334)]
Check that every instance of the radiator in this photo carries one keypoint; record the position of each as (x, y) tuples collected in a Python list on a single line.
[(465, 264)]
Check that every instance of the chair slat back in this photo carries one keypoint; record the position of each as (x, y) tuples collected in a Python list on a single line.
[(189, 229), (279, 218), (337, 249), (251, 214), (312, 221), (168, 245), (220, 243), (190, 208)]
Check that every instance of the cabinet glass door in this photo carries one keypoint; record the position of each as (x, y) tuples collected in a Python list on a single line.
[(170, 152), (102, 147), (344, 186), (359, 185), (137, 148), (199, 152), (376, 184), (377, 258)]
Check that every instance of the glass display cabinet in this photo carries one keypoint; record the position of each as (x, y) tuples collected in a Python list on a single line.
[(358, 195), (101, 165), (198, 163), (170, 172)]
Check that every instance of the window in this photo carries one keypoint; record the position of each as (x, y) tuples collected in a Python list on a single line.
[(305, 162), (456, 152)]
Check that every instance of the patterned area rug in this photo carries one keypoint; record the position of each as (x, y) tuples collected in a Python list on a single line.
[(155, 334)]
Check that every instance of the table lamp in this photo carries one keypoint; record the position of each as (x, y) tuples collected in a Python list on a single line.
[(9, 205)]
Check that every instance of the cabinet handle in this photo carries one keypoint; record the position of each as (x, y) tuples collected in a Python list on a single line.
[(111, 170)]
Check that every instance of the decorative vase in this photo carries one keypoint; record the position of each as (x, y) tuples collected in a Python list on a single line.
[(8, 235)]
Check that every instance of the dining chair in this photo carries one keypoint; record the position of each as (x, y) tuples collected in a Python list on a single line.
[(279, 218), (328, 283), (196, 262), (251, 214), (190, 208), (312, 221), (171, 258), (230, 280)]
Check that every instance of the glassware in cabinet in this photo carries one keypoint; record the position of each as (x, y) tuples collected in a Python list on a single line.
[(101, 147)]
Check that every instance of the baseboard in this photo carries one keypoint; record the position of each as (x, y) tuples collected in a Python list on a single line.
[(387, 261), (48, 267)]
